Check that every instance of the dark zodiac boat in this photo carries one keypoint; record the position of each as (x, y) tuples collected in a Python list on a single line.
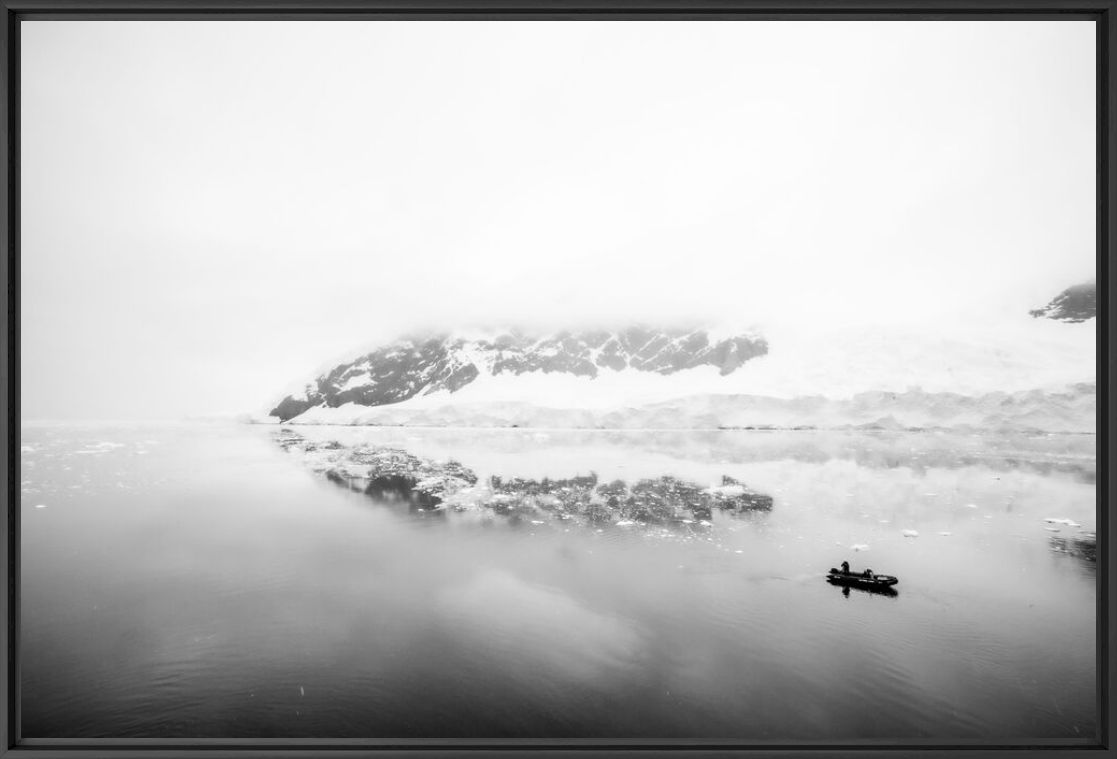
[(867, 580)]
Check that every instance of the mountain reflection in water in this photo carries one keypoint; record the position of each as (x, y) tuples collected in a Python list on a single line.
[(393, 475), (201, 581)]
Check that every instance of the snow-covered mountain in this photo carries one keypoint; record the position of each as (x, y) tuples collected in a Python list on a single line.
[(1075, 304), (444, 364), (1024, 374)]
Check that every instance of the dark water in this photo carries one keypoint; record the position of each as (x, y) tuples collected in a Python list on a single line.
[(183, 581)]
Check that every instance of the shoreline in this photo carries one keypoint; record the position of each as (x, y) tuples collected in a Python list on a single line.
[(757, 428)]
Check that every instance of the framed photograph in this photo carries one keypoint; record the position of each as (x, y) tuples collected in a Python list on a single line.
[(406, 377)]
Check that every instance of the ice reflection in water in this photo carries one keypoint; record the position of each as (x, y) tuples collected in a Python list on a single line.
[(191, 581)]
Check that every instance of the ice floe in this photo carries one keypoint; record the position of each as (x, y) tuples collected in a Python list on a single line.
[(730, 490)]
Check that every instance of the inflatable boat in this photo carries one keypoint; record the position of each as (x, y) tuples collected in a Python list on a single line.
[(860, 579)]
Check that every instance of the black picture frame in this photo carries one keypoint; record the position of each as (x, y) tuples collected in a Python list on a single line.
[(1103, 12)]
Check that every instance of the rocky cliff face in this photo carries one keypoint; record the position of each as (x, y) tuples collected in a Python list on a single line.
[(1075, 304), (423, 365)]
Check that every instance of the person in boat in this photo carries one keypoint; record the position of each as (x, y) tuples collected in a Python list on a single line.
[(845, 567), (868, 573)]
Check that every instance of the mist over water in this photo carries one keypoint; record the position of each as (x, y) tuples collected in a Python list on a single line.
[(199, 580)]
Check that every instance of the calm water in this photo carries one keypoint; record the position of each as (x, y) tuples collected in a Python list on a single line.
[(201, 581)]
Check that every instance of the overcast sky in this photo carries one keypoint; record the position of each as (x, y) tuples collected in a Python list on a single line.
[(211, 210)]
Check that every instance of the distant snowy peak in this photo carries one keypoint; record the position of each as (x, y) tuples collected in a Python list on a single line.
[(423, 365), (1075, 304)]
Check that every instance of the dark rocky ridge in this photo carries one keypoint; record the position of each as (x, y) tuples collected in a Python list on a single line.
[(421, 365), (1075, 304), (1083, 547)]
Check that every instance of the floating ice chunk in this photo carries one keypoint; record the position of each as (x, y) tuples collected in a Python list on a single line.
[(625, 523), (946, 534), (1067, 522), (40, 505), (537, 521), (1052, 529), (910, 533), (738, 551), (859, 547), (26, 449), (705, 523), (729, 490), (971, 506)]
